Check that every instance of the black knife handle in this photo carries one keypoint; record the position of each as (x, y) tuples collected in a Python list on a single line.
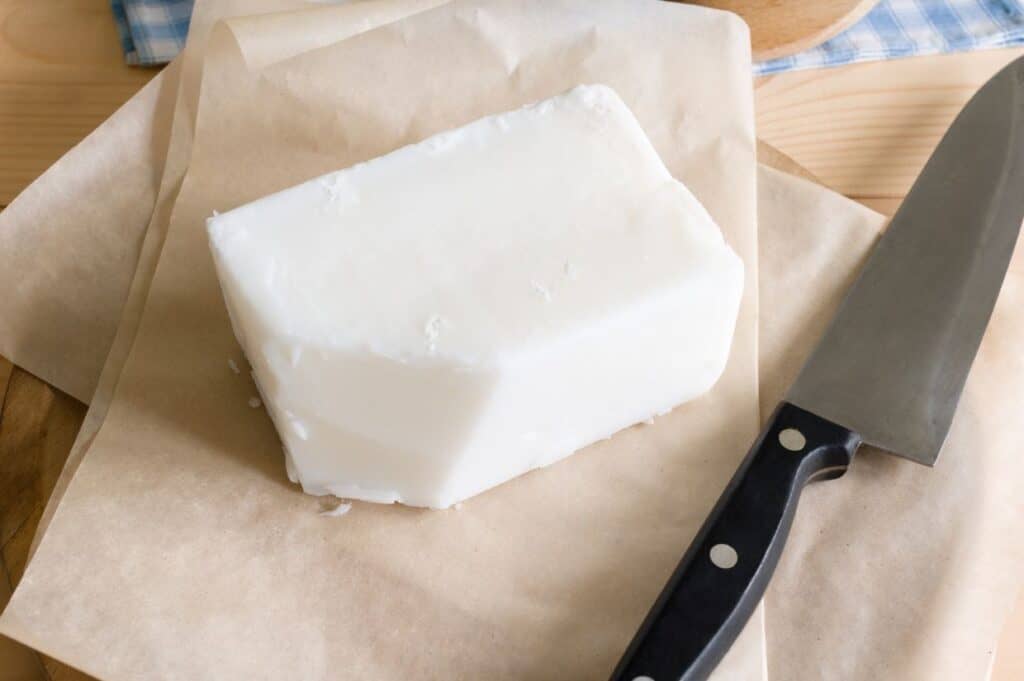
[(724, 573)]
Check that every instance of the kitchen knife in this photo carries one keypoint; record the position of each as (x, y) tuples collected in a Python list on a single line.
[(888, 372)]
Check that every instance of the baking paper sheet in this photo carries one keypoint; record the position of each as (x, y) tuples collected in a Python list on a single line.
[(172, 125), (925, 597), (69, 243), (211, 544)]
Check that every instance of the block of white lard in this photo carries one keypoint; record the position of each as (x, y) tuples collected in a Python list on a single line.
[(434, 322)]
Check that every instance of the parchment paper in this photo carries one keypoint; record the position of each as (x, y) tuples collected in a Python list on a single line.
[(70, 241), (812, 221), (138, 156), (896, 570), (293, 32), (101, 212), (195, 564)]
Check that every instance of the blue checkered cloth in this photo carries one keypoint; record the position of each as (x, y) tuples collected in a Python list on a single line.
[(908, 28), (153, 31)]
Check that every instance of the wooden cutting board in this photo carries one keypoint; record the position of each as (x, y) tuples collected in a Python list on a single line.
[(782, 27)]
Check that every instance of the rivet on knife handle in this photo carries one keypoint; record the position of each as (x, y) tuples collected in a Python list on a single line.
[(723, 575)]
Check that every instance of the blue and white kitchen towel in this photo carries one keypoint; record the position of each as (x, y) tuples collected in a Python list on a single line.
[(908, 28), (153, 31)]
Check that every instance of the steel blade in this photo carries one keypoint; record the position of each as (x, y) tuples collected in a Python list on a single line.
[(893, 362)]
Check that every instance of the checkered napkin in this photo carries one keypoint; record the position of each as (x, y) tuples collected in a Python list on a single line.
[(907, 28), (153, 31)]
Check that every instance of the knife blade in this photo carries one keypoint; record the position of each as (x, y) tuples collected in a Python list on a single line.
[(888, 372)]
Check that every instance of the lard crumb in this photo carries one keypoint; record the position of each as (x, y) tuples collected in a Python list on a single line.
[(458, 506), (255, 402), (541, 290), (432, 329), (338, 511), (650, 421), (339, 191), (233, 366), (570, 270)]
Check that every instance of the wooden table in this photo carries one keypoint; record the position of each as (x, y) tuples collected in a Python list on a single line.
[(864, 130)]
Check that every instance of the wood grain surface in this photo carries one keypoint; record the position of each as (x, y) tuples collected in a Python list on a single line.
[(864, 130), (38, 425), (779, 28), (770, 156)]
